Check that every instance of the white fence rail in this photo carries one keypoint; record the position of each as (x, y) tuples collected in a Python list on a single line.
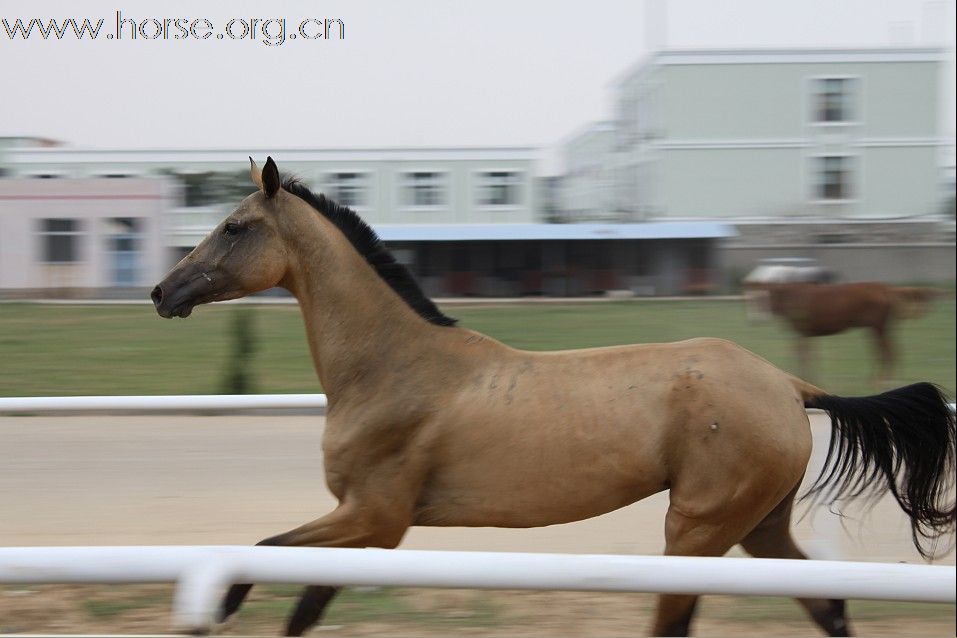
[(169, 403), (203, 572), (162, 403)]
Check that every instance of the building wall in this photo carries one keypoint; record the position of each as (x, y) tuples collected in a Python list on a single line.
[(774, 100), (588, 192), (733, 134), (731, 102), (729, 182), (384, 168), (894, 264), (25, 203), (895, 252), (900, 180)]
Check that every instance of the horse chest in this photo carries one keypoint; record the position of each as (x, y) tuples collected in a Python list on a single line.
[(352, 450)]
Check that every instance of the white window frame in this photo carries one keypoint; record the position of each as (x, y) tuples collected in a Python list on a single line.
[(138, 238), (853, 183), (520, 185), (365, 177), (854, 101), (405, 182), (77, 235)]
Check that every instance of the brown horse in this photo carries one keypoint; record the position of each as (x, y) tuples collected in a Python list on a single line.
[(818, 310), (432, 424)]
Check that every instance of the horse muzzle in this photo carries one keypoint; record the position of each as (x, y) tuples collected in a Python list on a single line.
[(179, 293)]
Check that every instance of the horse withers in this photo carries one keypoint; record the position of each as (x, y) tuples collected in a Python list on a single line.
[(433, 424)]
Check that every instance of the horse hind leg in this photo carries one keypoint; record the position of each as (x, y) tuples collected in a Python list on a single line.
[(693, 536), (772, 539), (707, 518)]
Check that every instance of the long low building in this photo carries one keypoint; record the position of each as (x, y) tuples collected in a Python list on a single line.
[(116, 237), (562, 260), (558, 260), (384, 185)]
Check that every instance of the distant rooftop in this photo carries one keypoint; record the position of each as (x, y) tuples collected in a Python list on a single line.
[(781, 56), (80, 155), (519, 232)]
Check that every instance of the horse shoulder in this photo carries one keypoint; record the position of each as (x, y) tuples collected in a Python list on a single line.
[(375, 437)]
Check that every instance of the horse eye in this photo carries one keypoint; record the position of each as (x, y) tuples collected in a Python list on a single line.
[(232, 228)]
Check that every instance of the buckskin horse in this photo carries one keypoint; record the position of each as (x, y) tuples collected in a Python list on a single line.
[(823, 309), (433, 424)]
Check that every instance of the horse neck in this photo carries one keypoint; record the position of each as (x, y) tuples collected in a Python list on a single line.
[(357, 327)]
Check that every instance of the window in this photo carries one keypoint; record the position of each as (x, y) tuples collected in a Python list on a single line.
[(196, 189), (123, 239), (498, 188), (347, 189), (60, 239), (423, 189), (832, 175), (212, 188), (832, 100)]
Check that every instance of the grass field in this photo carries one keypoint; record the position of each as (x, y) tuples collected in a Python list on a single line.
[(48, 350)]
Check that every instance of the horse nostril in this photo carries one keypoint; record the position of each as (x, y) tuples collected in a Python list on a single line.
[(157, 296)]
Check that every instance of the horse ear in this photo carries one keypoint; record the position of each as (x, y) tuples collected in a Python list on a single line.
[(270, 178), (255, 174)]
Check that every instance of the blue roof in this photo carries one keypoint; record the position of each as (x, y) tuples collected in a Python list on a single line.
[(510, 232)]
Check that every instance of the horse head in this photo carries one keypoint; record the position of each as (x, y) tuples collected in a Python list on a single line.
[(242, 255)]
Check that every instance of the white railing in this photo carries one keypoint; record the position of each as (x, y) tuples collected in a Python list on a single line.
[(162, 403), (202, 573), (170, 403)]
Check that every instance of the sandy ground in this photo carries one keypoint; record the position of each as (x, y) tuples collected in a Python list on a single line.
[(162, 480)]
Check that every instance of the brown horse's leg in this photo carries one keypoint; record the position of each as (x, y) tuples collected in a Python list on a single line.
[(804, 349), (686, 536), (772, 539), (343, 527), (312, 605), (885, 351)]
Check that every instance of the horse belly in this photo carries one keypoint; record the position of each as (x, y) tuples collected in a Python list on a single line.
[(508, 477)]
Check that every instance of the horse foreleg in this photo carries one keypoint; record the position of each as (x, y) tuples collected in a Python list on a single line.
[(343, 527), (772, 539), (312, 605)]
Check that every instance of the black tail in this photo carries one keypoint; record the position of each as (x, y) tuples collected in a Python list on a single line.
[(903, 441)]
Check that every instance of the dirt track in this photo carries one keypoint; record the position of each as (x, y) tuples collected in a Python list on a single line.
[(233, 480), (236, 479)]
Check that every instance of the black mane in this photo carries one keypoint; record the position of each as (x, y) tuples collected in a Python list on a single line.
[(365, 240)]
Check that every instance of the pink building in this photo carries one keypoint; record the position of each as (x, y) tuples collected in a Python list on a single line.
[(82, 237)]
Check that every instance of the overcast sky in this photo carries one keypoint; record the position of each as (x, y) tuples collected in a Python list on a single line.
[(423, 72)]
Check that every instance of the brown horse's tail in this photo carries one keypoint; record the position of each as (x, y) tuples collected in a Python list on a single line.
[(902, 441)]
